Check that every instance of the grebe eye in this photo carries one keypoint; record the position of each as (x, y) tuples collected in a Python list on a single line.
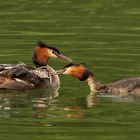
[(64, 70), (54, 52)]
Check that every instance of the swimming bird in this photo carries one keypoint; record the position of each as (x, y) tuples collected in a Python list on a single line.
[(122, 87), (21, 77)]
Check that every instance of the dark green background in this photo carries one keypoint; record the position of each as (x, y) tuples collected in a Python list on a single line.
[(104, 34)]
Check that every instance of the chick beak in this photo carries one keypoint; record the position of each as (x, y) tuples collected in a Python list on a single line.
[(61, 56)]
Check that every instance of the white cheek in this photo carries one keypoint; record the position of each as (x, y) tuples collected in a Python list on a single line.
[(51, 54), (68, 71)]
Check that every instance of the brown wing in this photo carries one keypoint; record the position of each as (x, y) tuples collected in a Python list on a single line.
[(8, 83), (17, 76)]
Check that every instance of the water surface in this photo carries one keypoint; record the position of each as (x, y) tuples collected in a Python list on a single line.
[(104, 34)]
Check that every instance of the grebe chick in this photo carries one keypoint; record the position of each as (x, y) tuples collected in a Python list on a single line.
[(122, 87)]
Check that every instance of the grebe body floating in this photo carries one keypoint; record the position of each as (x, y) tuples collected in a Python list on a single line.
[(22, 77), (127, 86)]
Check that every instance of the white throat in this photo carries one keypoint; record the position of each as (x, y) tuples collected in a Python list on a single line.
[(92, 84)]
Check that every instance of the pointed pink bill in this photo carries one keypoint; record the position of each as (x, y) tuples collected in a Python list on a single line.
[(61, 56), (58, 72)]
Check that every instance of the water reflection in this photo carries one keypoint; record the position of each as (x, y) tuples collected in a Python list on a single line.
[(14, 104), (53, 109), (91, 101), (39, 107), (120, 98)]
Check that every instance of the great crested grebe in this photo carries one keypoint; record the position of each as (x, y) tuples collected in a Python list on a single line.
[(21, 77), (122, 87)]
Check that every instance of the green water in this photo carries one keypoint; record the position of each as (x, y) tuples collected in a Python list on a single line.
[(104, 34)]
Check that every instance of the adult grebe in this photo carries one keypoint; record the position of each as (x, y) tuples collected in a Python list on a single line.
[(121, 87), (21, 77)]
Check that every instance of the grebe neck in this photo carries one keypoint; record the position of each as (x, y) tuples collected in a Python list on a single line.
[(93, 84)]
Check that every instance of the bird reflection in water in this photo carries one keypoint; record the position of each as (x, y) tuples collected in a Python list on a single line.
[(43, 109), (51, 109), (91, 101)]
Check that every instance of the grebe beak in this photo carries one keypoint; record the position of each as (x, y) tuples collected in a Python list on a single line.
[(61, 56), (58, 72)]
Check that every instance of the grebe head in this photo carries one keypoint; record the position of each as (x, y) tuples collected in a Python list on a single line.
[(43, 52), (79, 71)]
